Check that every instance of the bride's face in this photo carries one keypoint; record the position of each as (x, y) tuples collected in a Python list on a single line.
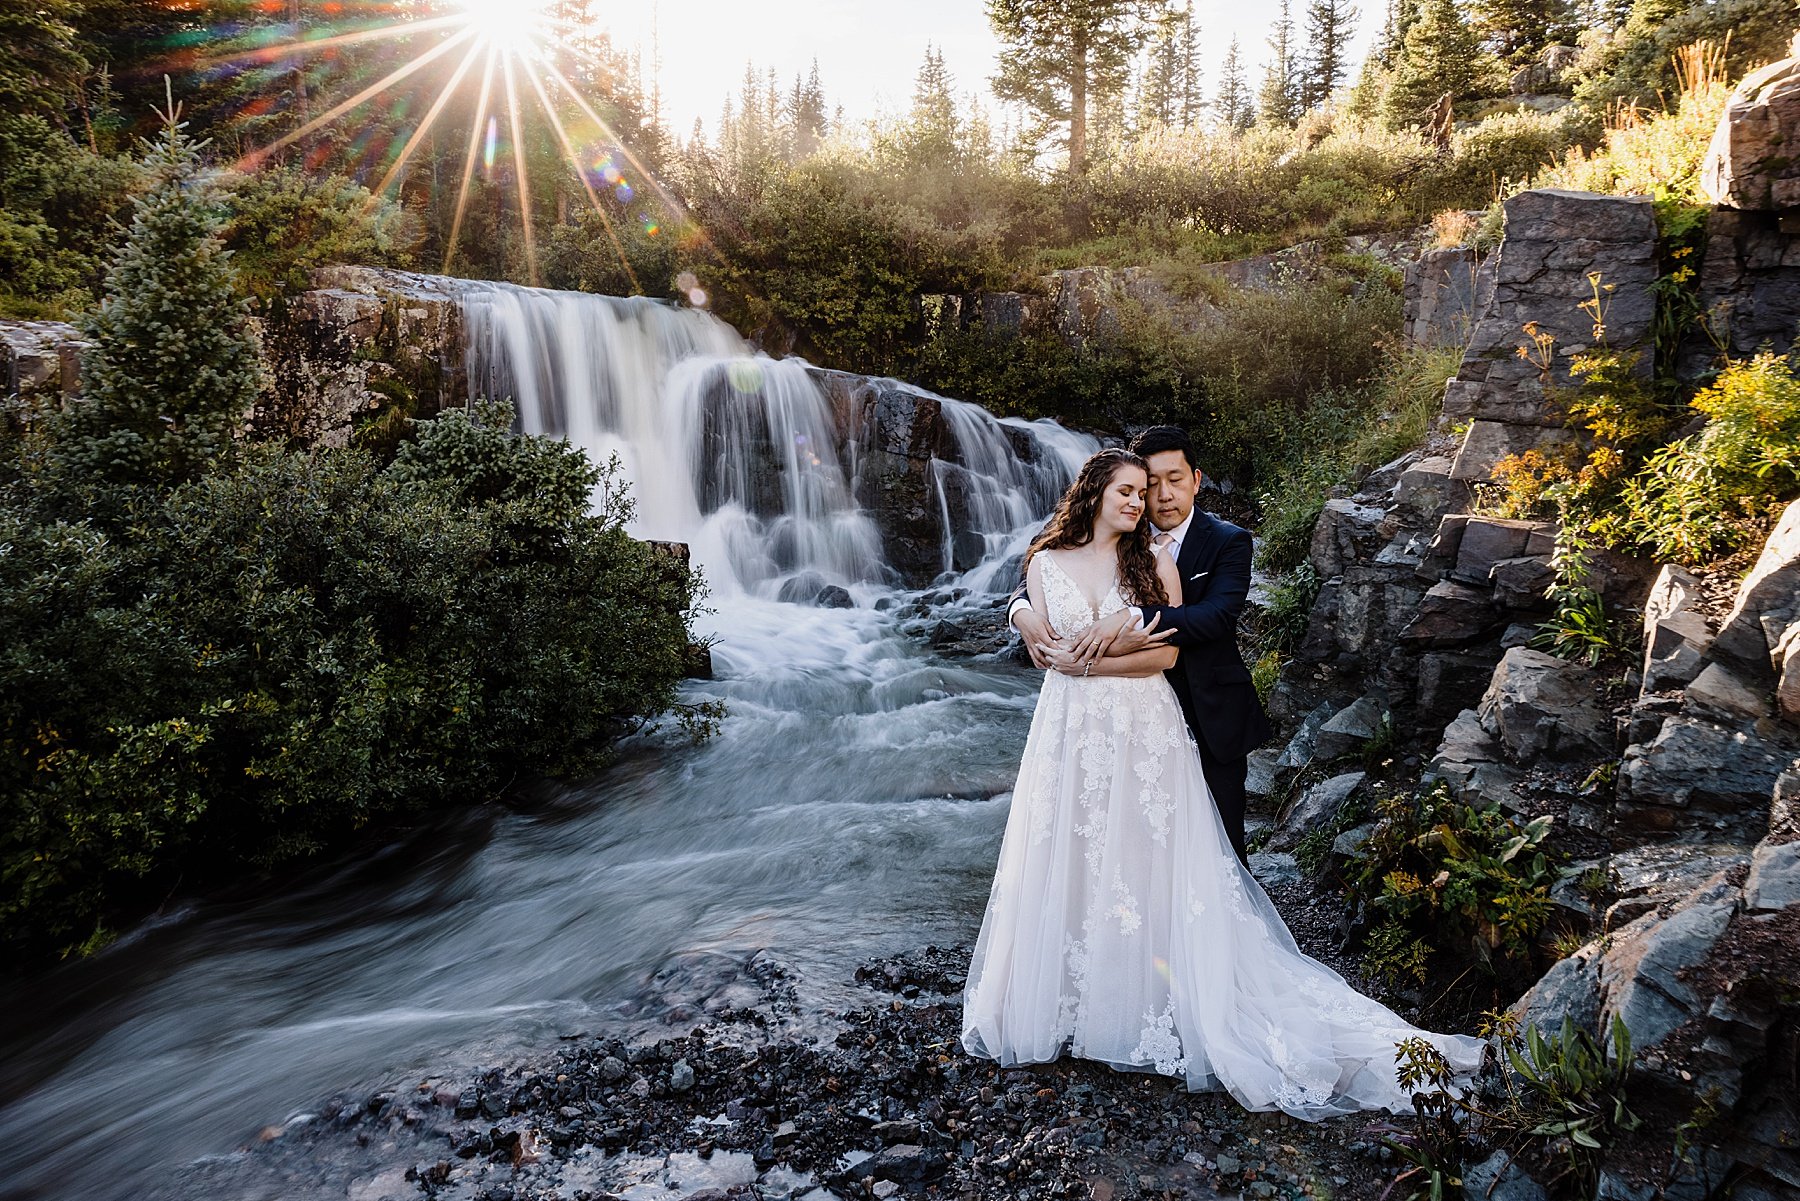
[(1122, 504)]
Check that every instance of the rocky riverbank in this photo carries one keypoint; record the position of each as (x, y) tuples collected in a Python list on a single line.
[(744, 1106)]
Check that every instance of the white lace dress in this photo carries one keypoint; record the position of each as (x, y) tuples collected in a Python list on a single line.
[(1122, 928)]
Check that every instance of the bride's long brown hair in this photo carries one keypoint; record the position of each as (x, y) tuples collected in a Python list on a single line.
[(1073, 525)]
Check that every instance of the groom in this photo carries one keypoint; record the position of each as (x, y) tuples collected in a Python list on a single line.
[(1210, 679)]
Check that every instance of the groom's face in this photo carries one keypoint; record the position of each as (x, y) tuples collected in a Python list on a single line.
[(1173, 486)]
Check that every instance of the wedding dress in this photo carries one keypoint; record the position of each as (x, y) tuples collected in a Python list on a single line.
[(1122, 928)]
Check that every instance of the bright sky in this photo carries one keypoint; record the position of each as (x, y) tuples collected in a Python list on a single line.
[(869, 50)]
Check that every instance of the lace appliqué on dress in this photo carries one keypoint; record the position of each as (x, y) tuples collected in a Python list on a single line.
[(1159, 1045)]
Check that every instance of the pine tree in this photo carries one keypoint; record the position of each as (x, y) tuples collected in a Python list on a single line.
[(810, 122), (41, 64), (1233, 102), (1440, 56), (1193, 95), (934, 100), (1518, 29), (174, 367), (1329, 27), (1058, 58), (1277, 100), (1160, 94)]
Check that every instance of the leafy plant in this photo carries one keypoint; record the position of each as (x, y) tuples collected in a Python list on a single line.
[(1578, 627), (1458, 878), (1702, 495)]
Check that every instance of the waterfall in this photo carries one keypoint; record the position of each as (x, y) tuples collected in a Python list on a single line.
[(781, 478)]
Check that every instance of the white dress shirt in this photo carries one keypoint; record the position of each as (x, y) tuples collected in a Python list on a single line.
[(1171, 547)]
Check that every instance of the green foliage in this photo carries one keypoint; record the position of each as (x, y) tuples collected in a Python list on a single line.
[(1058, 57), (41, 63), (1578, 627), (1637, 63), (281, 222), (1439, 55), (1282, 623), (267, 659), (1464, 880), (1559, 1102), (173, 369), (59, 204), (1703, 495), (1339, 435)]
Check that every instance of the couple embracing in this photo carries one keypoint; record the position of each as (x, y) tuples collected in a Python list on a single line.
[(1123, 925)]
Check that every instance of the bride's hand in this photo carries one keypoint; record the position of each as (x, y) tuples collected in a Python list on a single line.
[(1067, 662)]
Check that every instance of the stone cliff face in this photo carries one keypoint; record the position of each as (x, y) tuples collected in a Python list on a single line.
[(1423, 617)]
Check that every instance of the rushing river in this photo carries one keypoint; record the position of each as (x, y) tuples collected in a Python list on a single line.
[(850, 805)]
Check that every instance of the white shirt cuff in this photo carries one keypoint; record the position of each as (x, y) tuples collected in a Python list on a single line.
[(1013, 608)]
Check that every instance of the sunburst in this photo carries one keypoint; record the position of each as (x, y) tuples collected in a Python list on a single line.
[(506, 45)]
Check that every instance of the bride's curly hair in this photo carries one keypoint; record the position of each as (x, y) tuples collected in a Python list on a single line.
[(1073, 525)]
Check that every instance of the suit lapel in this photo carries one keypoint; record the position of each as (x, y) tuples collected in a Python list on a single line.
[(1196, 549)]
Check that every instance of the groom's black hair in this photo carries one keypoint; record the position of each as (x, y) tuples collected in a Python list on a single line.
[(1159, 438)]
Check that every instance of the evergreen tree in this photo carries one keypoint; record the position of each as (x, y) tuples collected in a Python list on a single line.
[(1517, 29), (1059, 57), (1329, 26), (1160, 94), (1277, 99), (1193, 95), (174, 368), (1440, 56), (1233, 102), (41, 65), (807, 114)]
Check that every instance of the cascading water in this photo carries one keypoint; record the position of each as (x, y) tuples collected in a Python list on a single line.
[(851, 804)]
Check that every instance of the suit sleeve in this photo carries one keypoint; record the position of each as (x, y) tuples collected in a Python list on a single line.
[(1215, 616)]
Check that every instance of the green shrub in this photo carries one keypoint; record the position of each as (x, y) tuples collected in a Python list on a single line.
[(1703, 495), (281, 222), (1578, 627), (59, 203), (1470, 882), (263, 661)]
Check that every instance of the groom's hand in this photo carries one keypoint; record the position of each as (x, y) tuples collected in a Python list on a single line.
[(1035, 629), (1118, 635)]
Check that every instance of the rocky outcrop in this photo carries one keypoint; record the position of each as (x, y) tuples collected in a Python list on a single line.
[(40, 358), (361, 347), (1562, 250), (1442, 292), (1751, 163)]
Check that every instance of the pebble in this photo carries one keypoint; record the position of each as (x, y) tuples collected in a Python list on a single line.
[(681, 1076)]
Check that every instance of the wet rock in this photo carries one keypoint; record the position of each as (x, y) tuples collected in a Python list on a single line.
[(906, 1163), (1539, 705), (681, 1076), (1721, 693), (1488, 541), (1499, 1178), (1643, 976), (1750, 163), (612, 1069)]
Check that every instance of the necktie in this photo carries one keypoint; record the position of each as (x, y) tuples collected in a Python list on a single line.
[(1162, 539)]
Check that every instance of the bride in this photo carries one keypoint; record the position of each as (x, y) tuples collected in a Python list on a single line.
[(1121, 926)]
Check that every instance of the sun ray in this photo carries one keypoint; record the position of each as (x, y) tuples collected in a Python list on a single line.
[(586, 185), (426, 122), (675, 207), (277, 50), (255, 157), (518, 150), (462, 193)]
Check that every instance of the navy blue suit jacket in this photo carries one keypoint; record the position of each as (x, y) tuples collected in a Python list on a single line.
[(1210, 679)]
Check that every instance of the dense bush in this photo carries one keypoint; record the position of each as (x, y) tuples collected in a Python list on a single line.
[(1706, 494), (1437, 875), (264, 660), (58, 204), (281, 222)]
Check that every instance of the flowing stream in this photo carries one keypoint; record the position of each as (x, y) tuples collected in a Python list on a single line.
[(851, 804)]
